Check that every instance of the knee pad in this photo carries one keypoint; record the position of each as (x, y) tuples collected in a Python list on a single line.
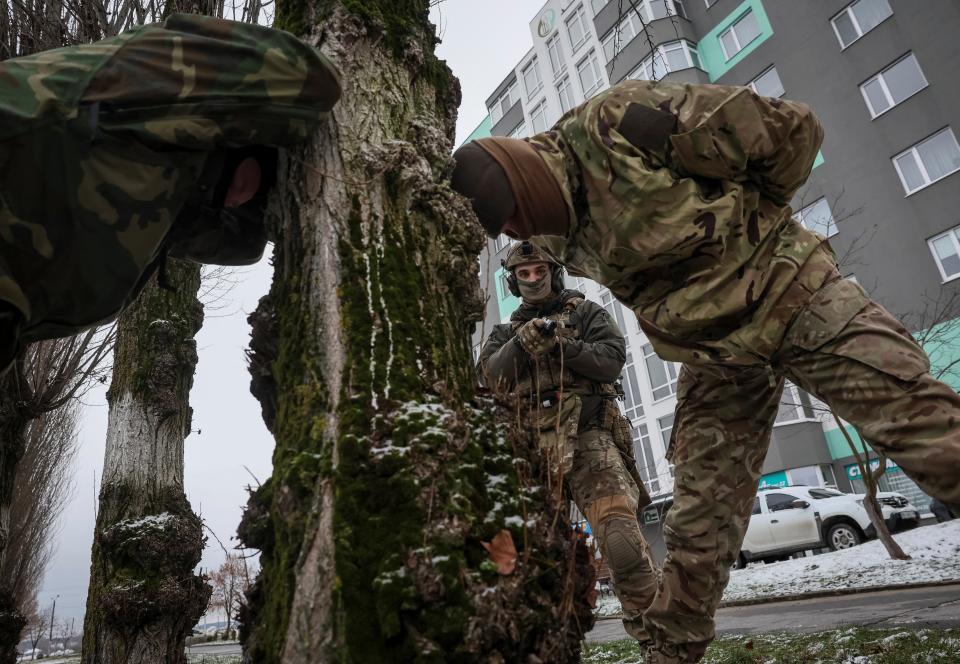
[(622, 545)]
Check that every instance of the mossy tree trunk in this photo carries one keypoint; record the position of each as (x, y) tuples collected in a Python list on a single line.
[(388, 472), (143, 597)]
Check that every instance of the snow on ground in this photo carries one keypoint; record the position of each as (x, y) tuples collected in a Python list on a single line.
[(934, 549)]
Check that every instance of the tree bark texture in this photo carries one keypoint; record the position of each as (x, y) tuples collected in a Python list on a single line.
[(388, 472), (144, 598)]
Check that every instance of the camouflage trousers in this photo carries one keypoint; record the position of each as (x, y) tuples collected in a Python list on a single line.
[(604, 489), (848, 352)]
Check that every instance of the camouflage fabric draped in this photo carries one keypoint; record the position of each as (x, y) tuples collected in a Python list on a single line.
[(102, 144)]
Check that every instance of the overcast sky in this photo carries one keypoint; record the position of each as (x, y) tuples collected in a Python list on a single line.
[(481, 43)]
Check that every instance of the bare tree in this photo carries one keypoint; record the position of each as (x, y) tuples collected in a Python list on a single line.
[(230, 582), (42, 486), (36, 624), (44, 379)]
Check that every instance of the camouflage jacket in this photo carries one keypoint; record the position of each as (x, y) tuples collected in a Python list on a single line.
[(102, 144), (594, 352), (679, 196)]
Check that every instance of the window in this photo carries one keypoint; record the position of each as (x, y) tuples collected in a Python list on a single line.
[(651, 10), (619, 37), (756, 506), (589, 71), (768, 84), (646, 462), (777, 502), (667, 58), (818, 217), (504, 103), (501, 242), (858, 19), (614, 308), (632, 401), (946, 252), (577, 28), (531, 78), (897, 82), (823, 494), (795, 405), (666, 428), (738, 35), (519, 131), (662, 375), (806, 476), (538, 117), (504, 286), (565, 92), (597, 5), (928, 161), (557, 65)]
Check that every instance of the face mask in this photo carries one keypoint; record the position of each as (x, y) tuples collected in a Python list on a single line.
[(536, 291)]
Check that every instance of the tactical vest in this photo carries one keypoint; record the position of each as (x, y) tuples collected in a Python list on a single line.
[(547, 375)]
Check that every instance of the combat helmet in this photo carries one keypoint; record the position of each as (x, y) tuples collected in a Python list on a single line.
[(527, 252)]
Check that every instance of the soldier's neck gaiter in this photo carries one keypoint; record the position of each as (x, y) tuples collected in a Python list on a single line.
[(540, 206), (536, 291)]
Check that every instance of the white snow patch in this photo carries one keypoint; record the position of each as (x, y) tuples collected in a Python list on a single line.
[(934, 552)]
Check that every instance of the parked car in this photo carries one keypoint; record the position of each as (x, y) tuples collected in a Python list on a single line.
[(797, 518)]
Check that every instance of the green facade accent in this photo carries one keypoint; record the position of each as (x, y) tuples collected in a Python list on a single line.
[(482, 130), (837, 444), (945, 353), (712, 59), (818, 160), (506, 302), (777, 479)]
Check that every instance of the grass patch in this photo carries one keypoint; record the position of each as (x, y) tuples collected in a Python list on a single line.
[(849, 646)]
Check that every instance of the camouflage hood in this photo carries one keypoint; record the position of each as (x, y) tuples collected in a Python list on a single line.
[(102, 145), (192, 82)]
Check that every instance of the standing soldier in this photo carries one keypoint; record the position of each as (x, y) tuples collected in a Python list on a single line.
[(560, 356), (676, 197), (159, 142)]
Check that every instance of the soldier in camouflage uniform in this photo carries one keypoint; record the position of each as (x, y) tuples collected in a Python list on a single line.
[(159, 142), (676, 197), (564, 379)]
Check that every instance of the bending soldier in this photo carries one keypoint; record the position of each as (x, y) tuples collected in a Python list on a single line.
[(676, 197), (560, 356), (159, 142)]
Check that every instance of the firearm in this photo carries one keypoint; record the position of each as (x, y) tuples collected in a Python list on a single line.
[(549, 328)]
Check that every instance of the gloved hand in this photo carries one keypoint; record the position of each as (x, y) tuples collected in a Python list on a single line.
[(531, 338)]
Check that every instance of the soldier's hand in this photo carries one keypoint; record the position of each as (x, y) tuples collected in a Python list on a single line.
[(531, 338)]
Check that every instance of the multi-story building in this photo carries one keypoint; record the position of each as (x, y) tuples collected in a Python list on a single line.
[(885, 188)]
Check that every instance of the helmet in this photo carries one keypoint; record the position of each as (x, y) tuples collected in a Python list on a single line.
[(527, 252)]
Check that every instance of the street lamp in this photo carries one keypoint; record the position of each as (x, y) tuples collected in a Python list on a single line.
[(53, 611)]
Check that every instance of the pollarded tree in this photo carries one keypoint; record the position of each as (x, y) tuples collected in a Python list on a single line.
[(389, 476)]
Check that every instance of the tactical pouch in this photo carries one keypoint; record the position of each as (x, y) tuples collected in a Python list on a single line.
[(556, 430), (622, 432)]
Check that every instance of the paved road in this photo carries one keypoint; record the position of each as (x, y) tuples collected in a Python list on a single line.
[(230, 648), (918, 607)]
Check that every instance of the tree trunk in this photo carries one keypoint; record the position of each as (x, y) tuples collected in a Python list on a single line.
[(388, 473), (872, 505), (14, 396), (143, 596)]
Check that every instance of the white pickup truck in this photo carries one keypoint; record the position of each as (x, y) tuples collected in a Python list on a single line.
[(797, 518)]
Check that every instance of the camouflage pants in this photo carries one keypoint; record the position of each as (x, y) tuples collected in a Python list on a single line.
[(848, 352), (605, 492)]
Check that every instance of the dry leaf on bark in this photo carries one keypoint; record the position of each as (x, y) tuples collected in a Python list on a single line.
[(502, 552)]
